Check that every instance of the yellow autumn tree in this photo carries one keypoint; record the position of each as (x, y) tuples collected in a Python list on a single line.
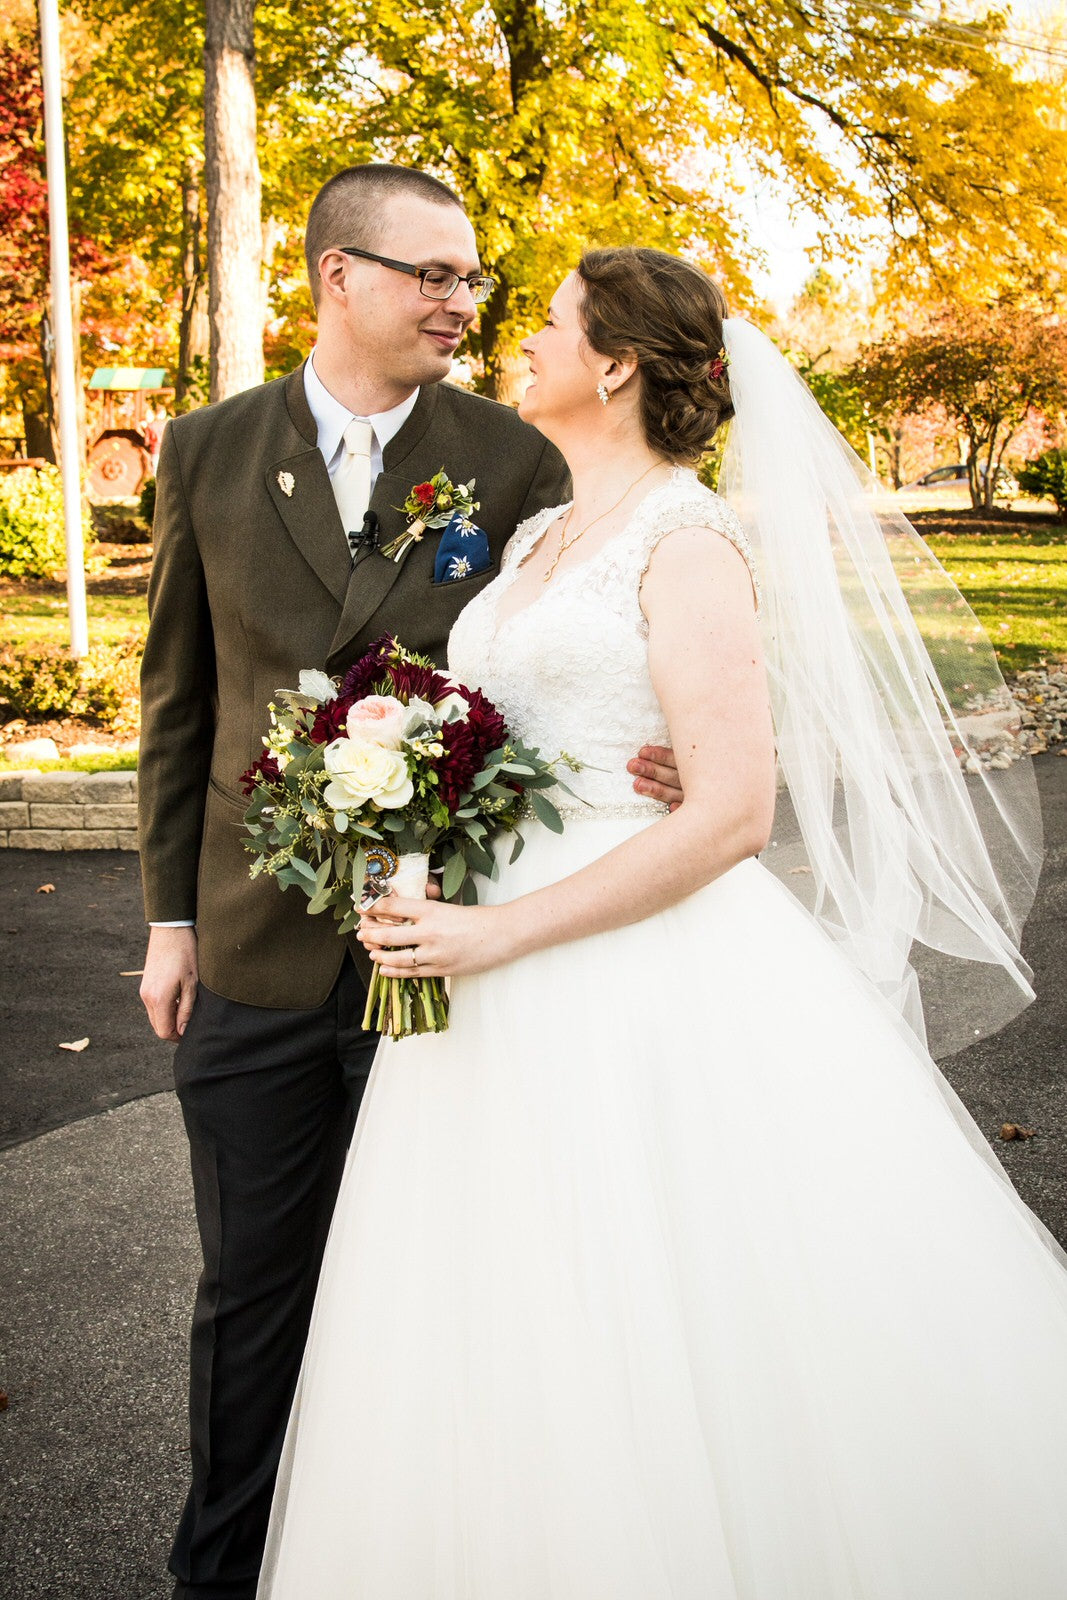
[(565, 122)]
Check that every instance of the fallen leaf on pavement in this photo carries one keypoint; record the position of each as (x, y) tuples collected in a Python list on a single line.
[(47, 888), (794, 870), (3, 1399), (1012, 1130), (75, 1044)]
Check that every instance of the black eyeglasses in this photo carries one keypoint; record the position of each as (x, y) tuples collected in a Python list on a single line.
[(437, 283)]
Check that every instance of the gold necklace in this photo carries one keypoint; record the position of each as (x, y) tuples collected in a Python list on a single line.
[(566, 544)]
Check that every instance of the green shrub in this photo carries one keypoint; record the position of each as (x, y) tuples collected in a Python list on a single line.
[(148, 501), (31, 523), (44, 681), (1046, 478)]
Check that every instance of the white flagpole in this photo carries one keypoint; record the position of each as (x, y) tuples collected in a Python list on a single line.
[(63, 325)]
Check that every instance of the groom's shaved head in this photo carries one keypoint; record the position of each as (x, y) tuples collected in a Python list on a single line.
[(349, 209)]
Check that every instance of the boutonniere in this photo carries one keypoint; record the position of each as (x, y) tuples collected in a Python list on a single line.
[(431, 505)]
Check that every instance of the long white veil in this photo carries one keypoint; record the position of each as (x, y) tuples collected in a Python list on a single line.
[(909, 820)]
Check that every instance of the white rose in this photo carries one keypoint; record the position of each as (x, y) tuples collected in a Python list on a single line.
[(317, 686), (361, 771), (379, 718), (453, 708)]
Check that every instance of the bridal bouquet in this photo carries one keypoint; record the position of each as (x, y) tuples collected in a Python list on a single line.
[(385, 775)]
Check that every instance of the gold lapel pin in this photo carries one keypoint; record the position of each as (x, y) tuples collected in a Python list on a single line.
[(286, 483)]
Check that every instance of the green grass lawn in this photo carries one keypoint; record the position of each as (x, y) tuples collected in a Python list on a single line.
[(104, 761), (33, 619), (1015, 578), (1013, 571)]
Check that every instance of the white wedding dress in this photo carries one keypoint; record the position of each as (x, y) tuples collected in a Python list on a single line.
[(673, 1270)]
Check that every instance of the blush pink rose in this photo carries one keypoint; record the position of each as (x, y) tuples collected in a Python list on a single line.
[(379, 718)]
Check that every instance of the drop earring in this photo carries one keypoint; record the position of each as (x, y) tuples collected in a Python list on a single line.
[(603, 393)]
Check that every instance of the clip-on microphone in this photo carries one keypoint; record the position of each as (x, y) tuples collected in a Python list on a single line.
[(368, 534)]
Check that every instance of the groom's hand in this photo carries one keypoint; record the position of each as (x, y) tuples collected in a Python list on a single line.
[(656, 775), (168, 987)]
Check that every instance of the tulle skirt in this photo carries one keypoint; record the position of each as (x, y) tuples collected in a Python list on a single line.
[(674, 1271)]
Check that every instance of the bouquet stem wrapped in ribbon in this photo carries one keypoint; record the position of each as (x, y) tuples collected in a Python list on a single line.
[(394, 761), (399, 1006)]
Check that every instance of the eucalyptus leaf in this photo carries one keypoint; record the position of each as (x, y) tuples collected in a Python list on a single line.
[(546, 812), (454, 874)]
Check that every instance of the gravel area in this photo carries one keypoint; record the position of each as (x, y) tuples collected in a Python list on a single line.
[(1041, 695)]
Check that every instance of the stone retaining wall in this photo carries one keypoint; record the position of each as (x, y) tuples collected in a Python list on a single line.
[(68, 810)]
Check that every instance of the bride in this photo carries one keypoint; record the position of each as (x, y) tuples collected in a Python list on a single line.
[(754, 1314)]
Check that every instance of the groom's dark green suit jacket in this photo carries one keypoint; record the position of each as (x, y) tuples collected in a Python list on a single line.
[(252, 581)]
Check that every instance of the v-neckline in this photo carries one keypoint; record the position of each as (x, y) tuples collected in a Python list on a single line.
[(501, 622)]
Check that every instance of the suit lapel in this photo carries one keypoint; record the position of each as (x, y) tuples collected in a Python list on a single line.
[(373, 575), (299, 486)]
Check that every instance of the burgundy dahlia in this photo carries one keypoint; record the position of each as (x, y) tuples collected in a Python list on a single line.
[(331, 720), (415, 681), (363, 677), (487, 727), (457, 767), (264, 770)]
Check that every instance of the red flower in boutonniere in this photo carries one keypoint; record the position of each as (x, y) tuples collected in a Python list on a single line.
[(431, 505)]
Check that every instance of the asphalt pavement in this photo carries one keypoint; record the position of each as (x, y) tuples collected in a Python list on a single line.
[(100, 1261)]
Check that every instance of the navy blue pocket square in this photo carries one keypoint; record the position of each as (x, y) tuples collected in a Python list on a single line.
[(462, 551)]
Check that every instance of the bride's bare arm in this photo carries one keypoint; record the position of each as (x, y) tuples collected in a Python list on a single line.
[(708, 673)]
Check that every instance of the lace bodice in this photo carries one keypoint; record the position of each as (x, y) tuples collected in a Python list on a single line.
[(570, 670)]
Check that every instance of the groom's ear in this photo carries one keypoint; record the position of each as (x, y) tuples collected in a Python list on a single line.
[(332, 264)]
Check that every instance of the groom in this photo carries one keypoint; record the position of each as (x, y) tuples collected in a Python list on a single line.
[(271, 513)]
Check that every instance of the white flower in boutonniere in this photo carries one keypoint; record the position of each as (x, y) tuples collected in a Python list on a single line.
[(432, 504)]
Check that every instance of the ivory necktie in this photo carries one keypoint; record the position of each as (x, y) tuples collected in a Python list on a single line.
[(351, 481)]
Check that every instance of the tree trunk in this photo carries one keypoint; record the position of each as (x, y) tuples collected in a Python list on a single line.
[(231, 168), (502, 368), (194, 339), (37, 428), (47, 345), (79, 377)]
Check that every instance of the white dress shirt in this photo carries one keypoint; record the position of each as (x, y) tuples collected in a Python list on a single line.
[(331, 420)]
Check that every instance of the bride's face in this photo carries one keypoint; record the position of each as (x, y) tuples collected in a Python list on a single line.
[(565, 368)]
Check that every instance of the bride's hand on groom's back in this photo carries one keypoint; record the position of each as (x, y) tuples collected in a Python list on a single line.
[(656, 775)]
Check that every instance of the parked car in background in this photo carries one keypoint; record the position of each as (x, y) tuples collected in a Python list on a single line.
[(955, 477)]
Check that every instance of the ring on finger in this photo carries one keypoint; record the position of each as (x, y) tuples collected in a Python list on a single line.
[(414, 957)]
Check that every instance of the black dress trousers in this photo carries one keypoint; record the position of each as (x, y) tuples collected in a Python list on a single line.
[(269, 1100)]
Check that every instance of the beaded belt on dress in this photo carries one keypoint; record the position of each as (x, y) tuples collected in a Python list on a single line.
[(597, 811)]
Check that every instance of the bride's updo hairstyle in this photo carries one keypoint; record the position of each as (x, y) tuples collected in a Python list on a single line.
[(651, 306)]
